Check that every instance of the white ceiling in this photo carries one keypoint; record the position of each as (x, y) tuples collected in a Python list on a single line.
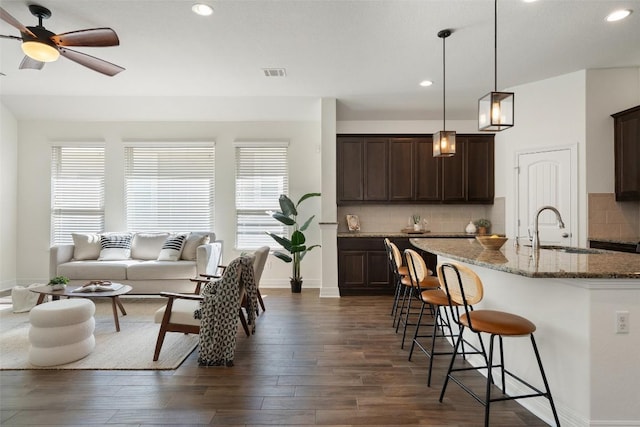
[(370, 55)]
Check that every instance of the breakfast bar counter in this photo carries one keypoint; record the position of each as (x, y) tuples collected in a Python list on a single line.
[(575, 297), (543, 263)]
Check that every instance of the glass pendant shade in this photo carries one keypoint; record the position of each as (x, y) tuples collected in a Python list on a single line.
[(444, 143), (495, 111), (39, 51)]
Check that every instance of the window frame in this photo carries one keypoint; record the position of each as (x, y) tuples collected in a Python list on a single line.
[(257, 214), (76, 215), (167, 216)]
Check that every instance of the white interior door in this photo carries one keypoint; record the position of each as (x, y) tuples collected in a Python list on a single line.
[(546, 178)]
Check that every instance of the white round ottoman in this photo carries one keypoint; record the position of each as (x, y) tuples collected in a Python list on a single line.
[(61, 331)]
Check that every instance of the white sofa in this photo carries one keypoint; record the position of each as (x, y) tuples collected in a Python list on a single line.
[(81, 262)]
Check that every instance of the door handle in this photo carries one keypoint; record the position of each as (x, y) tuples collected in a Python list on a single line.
[(565, 235)]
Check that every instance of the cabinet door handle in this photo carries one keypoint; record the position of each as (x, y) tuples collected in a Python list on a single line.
[(565, 235)]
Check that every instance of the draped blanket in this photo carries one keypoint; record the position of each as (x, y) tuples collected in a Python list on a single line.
[(218, 312)]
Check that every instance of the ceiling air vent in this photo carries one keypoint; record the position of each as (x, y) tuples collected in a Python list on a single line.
[(274, 72)]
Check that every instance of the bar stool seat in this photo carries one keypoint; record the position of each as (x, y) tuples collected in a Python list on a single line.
[(497, 322)]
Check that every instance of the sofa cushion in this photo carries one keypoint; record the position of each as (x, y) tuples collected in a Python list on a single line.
[(86, 246), (156, 270), (172, 248), (191, 245), (147, 245), (115, 247), (96, 270)]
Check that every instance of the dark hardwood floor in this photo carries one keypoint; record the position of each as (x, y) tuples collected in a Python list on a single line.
[(312, 361)]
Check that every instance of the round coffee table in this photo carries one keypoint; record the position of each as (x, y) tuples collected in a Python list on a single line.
[(68, 292)]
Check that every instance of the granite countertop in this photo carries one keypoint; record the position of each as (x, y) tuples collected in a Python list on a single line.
[(427, 234), (544, 263)]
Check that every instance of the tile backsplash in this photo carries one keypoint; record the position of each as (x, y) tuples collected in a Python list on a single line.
[(609, 219), (439, 218)]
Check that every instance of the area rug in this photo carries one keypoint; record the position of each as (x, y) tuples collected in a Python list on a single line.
[(130, 349)]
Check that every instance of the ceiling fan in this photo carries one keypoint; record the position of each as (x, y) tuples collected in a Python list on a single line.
[(41, 45)]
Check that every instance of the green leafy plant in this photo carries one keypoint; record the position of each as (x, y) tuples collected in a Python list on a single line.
[(295, 246), (59, 280), (482, 223)]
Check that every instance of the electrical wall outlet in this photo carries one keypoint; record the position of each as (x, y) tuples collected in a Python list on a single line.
[(622, 322)]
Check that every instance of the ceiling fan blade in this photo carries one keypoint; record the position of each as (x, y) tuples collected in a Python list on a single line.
[(95, 37), (6, 17), (92, 62), (30, 63)]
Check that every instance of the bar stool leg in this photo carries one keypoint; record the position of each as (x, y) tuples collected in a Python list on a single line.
[(544, 380)]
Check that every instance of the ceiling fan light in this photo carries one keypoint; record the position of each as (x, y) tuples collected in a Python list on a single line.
[(40, 51), (444, 143), (495, 111)]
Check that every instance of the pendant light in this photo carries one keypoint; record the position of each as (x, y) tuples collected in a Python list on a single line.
[(444, 141), (495, 109)]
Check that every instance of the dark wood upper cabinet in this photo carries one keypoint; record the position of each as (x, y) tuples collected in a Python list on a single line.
[(428, 176), (376, 163), (402, 169), (480, 168), (627, 154), (350, 162), (454, 174)]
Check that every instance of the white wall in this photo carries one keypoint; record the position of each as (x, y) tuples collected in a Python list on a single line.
[(608, 91), (570, 109), (548, 113), (35, 138), (8, 196), (405, 126)]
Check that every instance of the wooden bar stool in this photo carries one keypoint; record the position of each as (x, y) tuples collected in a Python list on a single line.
[(398, 270), (413, 287), (463, 286), (434, 299)]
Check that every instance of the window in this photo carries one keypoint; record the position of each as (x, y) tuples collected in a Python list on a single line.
[(261, 176), (170, 187), (77, 192)]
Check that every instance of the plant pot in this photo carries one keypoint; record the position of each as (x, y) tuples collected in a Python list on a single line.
[(296, 285), (58, 287), (482, 230)]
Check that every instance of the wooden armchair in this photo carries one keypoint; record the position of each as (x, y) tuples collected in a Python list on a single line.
[(178, 314)]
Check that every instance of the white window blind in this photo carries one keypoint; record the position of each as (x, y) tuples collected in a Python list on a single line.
[(169, 187), (261, 176), (77, 192)]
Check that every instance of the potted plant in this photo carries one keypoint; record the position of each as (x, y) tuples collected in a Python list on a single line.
[(295, 246), (58, 283), (483, 225), (416, 222)]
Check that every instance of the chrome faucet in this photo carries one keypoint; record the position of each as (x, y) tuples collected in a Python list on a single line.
[(536, 236)]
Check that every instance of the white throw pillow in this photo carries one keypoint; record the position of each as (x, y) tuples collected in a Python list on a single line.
[(191, 245), (172, 248), (115, 247), (147, 245), (86, 246)]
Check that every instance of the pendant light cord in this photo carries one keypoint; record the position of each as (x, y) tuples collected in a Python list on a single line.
[(495, 45), (444, 87)]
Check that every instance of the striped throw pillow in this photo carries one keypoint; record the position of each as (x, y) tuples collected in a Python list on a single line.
[(172, 248), (115, 247)]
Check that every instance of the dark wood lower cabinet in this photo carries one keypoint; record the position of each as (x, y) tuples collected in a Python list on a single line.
[(363, 268), (611, 246)]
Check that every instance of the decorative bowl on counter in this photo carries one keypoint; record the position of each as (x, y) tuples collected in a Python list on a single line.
[(492, 242)]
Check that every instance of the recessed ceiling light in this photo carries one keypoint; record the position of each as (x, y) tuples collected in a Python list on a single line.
[(202, 9), (529, 1), (618, 15), (426, 83)]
